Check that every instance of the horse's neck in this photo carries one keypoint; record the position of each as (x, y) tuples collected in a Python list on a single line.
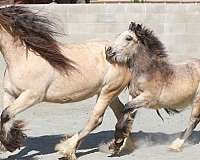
[(144, 65), (141, 64), (12, 50)]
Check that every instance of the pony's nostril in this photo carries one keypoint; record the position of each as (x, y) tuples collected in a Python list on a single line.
[(113, 53), (109, 48)]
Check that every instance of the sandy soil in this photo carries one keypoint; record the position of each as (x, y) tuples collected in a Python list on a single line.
[(49, 122)]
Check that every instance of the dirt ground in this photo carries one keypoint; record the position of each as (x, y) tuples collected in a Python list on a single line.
[(47, 124)]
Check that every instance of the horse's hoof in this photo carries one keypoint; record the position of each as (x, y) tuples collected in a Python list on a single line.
[(112, 147), (115, 148), (67, 147), (13, 137), (177, 145), (2, 148), (71, 157)]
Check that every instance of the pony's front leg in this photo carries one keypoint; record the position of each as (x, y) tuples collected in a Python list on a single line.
[(177, 144), (124, 125), (11, 135), (68, 146), (122, 133), (117, 107)]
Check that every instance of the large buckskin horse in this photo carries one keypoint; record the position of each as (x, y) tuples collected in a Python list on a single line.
[(39, 69)]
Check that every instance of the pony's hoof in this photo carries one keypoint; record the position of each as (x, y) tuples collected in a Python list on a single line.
[(113, 148), (127, 147), (67, 147), (177, 145), (116, 147), (2, 148), (13, 137)]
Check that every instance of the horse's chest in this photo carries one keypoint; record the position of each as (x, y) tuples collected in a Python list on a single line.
[(144, 83)]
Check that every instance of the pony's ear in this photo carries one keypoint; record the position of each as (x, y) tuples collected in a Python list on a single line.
[(139, 27), (132, 26), (139, 33)]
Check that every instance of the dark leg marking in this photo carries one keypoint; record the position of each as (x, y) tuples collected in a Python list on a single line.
[(5, 117), (14, 138), (122, 131)]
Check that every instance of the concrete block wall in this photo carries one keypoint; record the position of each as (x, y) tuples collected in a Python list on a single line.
[(177, 25)]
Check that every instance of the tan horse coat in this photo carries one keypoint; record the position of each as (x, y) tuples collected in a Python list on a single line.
[(155, 83), (30, 79)]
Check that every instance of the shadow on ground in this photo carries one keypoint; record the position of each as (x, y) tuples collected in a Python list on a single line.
[(45, 144)]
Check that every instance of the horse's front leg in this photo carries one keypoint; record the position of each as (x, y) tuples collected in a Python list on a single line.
[(68, 147), (177, 144), (11, 135), (124, 125)]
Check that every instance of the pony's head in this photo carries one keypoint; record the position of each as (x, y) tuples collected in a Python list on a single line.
[(134, 42)]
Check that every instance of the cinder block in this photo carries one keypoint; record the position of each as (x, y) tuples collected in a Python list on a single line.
[(78, 28), (175, 18), (174, 28), (175, 8), (156, 8), (77, 9), (106, 18), (129, 17), (192, 8), (106, 8), (193, 18), (155, 18), (80, 18), (136, 8), (193, 28)]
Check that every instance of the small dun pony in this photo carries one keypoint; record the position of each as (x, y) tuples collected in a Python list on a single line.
[(39, 69), (155, 83)]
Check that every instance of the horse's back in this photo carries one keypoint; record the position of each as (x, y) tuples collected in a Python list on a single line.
[(183, 84), (197, 67), (84, 82)]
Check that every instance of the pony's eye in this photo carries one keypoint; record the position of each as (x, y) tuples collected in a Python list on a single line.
[(129, 38)]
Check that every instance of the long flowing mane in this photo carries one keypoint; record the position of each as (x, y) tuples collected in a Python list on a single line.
[(157, 56), (37, 33)]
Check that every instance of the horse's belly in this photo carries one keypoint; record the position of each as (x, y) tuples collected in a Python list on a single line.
[(74, 88), (177, 99), (68, 97), (70, 93)]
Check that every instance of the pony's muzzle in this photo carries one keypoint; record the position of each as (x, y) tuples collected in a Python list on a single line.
[(109, 51)]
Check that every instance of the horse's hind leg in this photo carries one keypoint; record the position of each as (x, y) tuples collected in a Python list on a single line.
[(11, 135), (194, 120), (7, 101)]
